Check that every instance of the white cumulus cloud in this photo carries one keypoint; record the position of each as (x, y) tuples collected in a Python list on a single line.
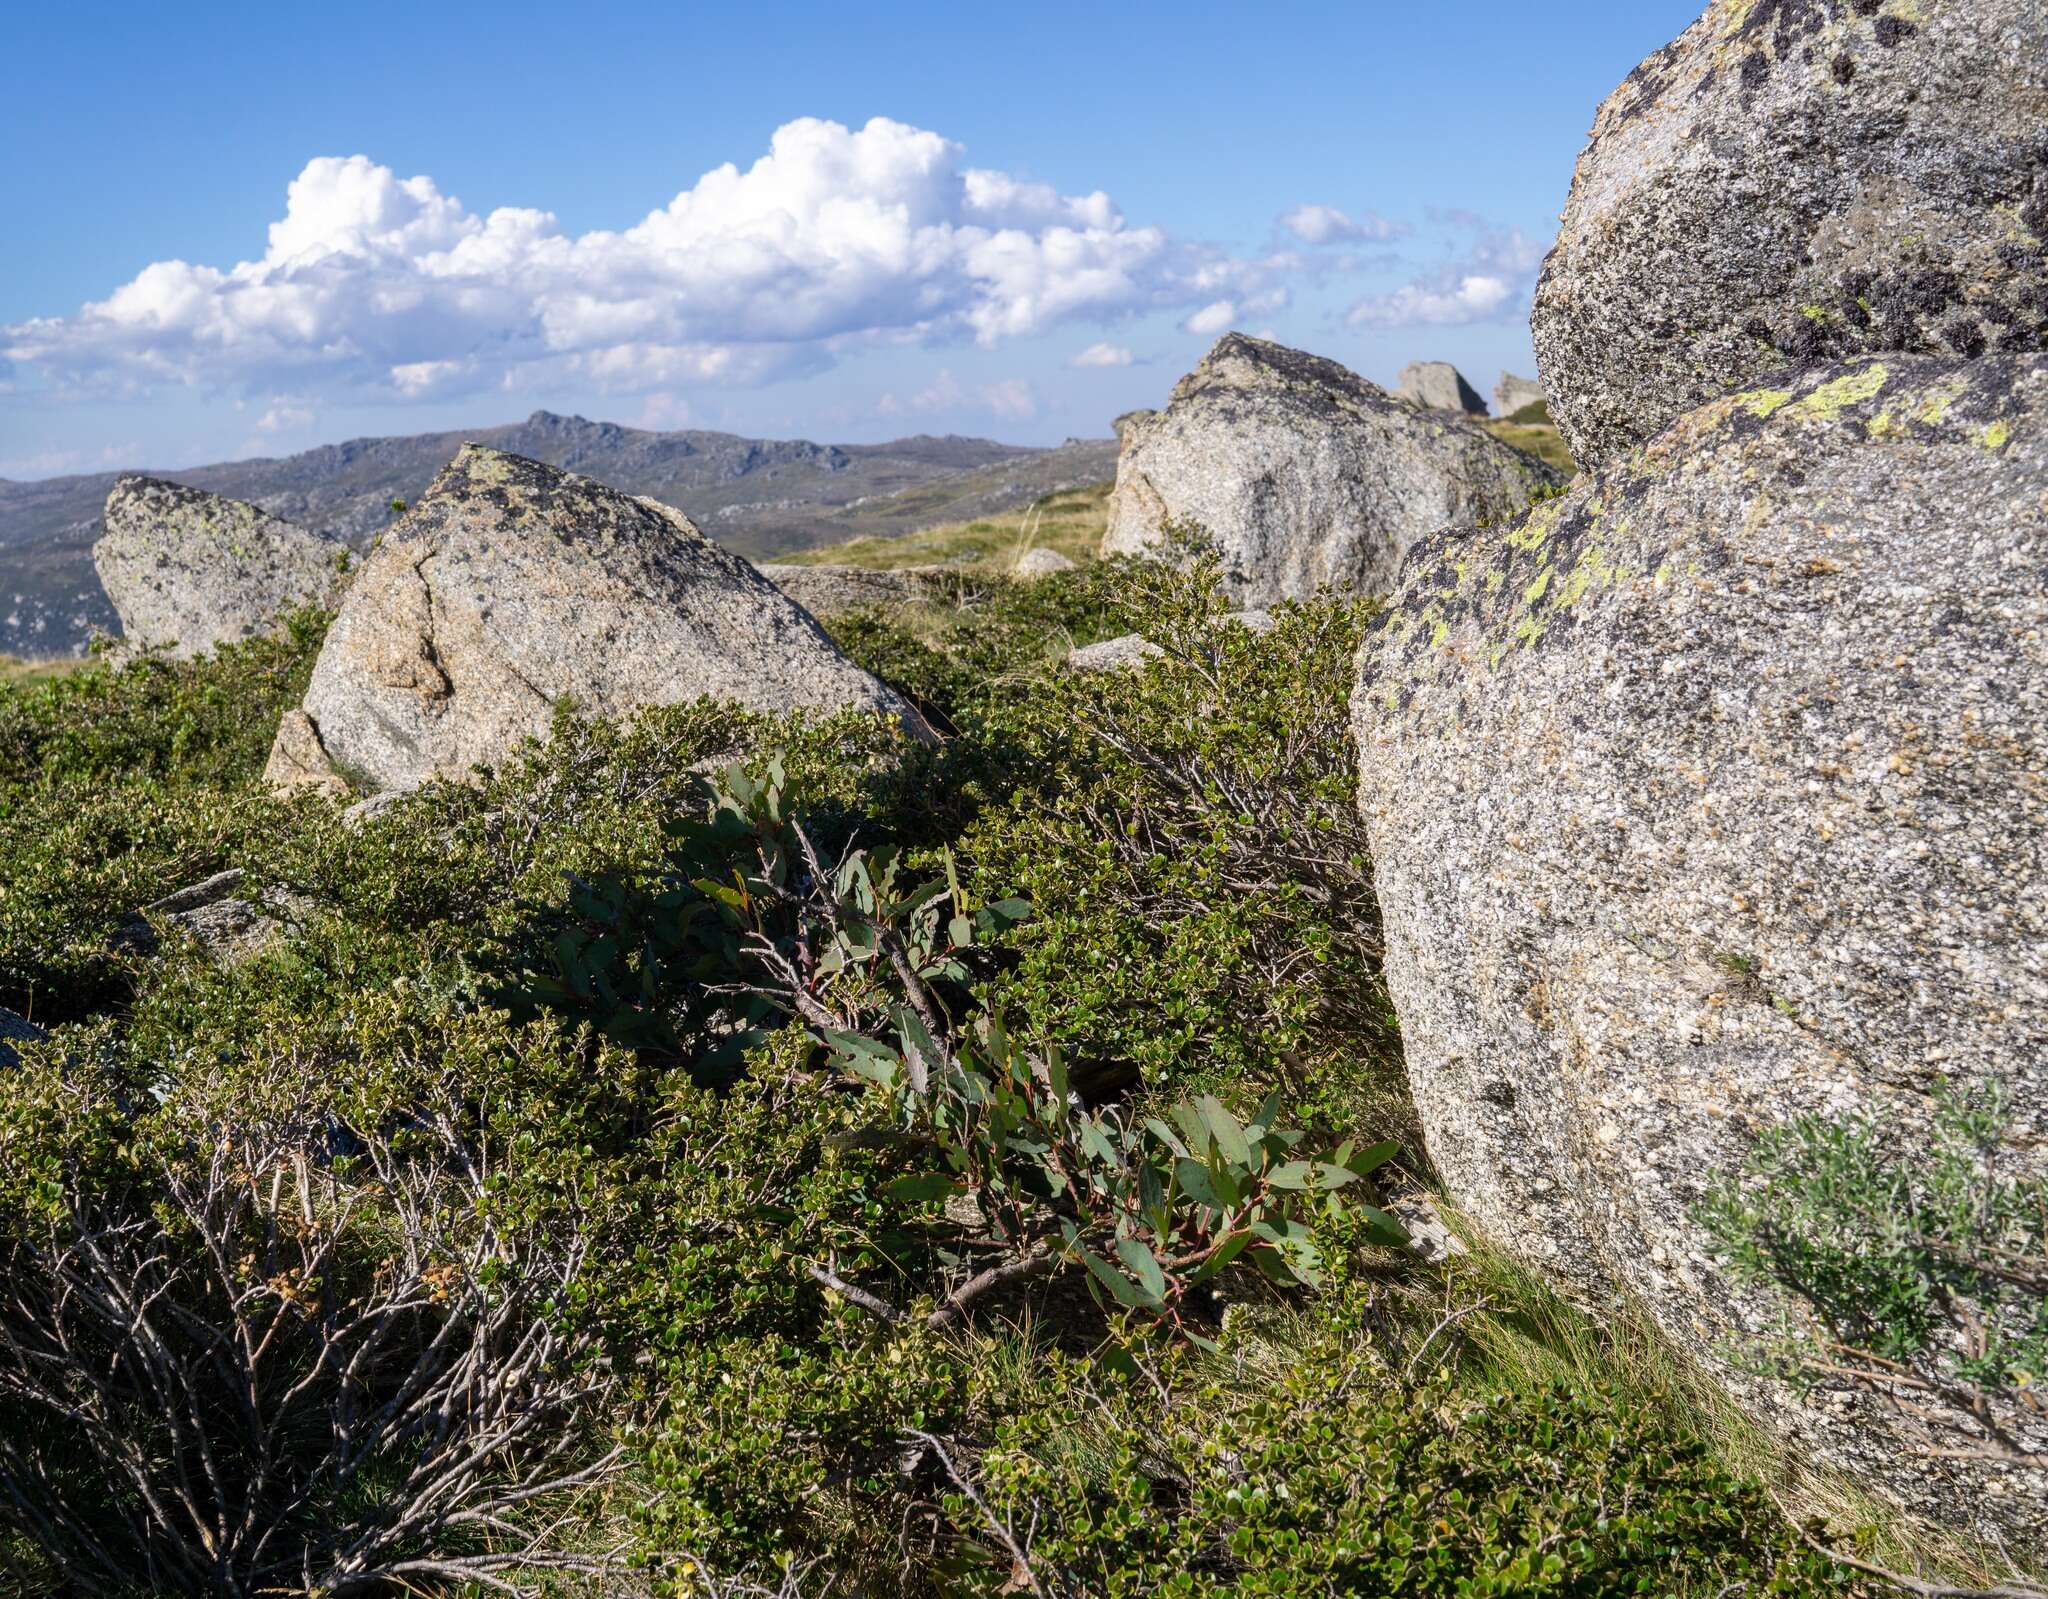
[(1215, 317), (283, 419), (1471, 299), (1490, 279), (382, 285), (1103, 355), (1012, 399), (1325, 224)]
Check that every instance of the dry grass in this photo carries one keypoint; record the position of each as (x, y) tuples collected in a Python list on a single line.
[(13, 669), (1071, 521)]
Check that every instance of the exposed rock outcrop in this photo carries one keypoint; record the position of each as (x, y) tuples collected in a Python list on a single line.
[(513, 586), (187, 570), (1304, 473), (16, 1030), (1042, 562), (1126, 651), (1438, 386), (1715, 793), (226, 927), (1790, 184), (1511, 393), (829, 590)]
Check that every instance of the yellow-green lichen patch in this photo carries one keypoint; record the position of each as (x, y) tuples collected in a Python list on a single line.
[(1762, 402), (1935, 406), (1536, 526), (1830, 399), (1534, 591), (1883, 425), (1733, 14), (1997, 435)]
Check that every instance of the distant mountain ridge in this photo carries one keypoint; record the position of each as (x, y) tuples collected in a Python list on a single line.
[(761, 497)]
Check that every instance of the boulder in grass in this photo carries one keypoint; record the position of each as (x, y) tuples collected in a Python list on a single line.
[(1791, 184), (188, 571), (1303, 474), (1714, 795), (1124, 653), (1042, 562), (513, 587), (16, 1030)]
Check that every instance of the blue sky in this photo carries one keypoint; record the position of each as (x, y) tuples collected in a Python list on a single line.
[(248, 230)]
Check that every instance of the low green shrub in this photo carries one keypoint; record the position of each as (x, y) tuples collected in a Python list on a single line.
[(862, 1230), (208, 720), (1925, 1268)]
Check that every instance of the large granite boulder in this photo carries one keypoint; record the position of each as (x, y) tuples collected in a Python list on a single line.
[(512, 586), (1512, 393), (1438, 386), (1304, 473), (1713, 794), (187, 570), (1787, 184)]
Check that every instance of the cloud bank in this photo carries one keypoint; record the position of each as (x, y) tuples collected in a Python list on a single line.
[(387, 285), (375, 289)]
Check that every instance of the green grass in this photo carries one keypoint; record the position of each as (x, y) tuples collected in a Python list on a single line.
[(1539, 439), (1071, 521)]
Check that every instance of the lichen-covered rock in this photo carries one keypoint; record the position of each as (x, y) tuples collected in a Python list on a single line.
[(222, 925), (1304, 474), (1715, 793), (1125, 652), (1123, 423), (187, 570), (830, 590), (1792, 182), (511, 587), (1042, 562), (1438, 386), (16, 1030), (1511, 393)]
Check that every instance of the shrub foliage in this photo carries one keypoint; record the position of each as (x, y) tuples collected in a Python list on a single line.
[(715, 1155)]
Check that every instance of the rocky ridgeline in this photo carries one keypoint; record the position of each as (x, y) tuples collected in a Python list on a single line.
[(1790, 184), (1303, 473), (514, 586), (188, 571), (1714, 793)]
